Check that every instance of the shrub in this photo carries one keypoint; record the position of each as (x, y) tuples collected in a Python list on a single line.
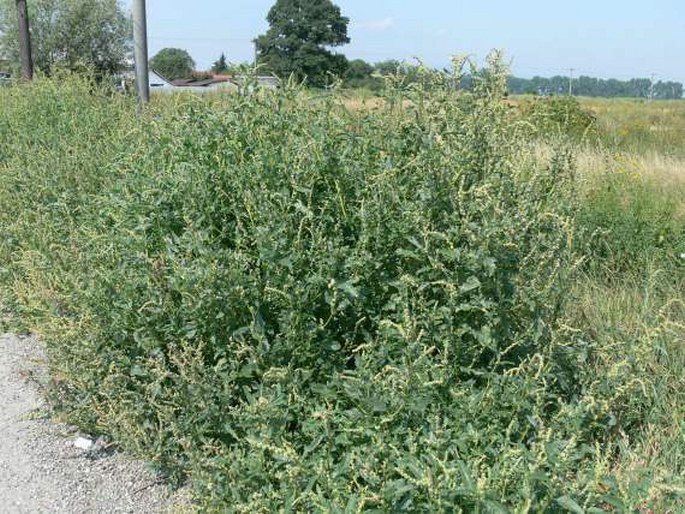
[(301, 308), (559, 116)]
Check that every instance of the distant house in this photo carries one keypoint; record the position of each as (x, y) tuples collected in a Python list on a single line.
[(160, 84), (269, 81), (204, 84), (265, 81)]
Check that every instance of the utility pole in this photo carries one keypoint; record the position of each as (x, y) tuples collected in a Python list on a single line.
[(140, 53), (651, 86), (24, 40), (570, 81)]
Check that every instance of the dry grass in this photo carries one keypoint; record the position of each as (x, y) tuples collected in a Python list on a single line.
[(641, 127), (662, 168)]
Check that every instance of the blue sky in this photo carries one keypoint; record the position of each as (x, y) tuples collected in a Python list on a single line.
[(604, 38)]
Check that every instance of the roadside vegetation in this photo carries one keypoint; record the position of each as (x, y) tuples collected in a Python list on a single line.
[(435, 302)]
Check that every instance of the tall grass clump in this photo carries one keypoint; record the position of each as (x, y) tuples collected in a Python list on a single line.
[(301, 308), (635, 219), (629, 295), (629, 299)]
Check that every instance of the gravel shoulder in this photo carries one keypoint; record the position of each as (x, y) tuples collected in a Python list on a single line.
[(41, 468)]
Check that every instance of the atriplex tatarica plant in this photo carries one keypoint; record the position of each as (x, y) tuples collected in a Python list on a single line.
[(302, 307)]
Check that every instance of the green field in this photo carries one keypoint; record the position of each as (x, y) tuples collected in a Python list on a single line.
[(431, 301)]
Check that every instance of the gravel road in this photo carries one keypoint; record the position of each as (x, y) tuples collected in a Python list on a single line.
[(41, 468)]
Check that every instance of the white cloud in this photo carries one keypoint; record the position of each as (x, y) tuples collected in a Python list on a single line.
[(379, 26)]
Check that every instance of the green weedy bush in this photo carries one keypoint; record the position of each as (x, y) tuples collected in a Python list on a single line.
[(557, 117), (61, 142), (300, 308)]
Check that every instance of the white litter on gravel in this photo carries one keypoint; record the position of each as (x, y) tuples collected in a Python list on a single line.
[(83, 444), (46, 467)]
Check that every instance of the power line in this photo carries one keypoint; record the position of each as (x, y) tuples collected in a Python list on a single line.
[(209, 39)]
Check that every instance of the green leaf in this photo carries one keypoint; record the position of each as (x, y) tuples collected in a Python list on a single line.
[(137, 371), (570, 505), (472, 283)]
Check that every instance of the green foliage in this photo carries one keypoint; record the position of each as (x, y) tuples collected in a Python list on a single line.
[(362, 75), (296, 44), (71, 34), (359, 76), (173, 63), (630, 298), (301, 308), (390, 67), (359, 69), (221, 65), (635, 220), (560, 116), (590, 86)]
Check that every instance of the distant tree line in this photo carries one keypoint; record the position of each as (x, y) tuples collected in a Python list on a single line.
[(96, 34), (590, 86), (361, 74)]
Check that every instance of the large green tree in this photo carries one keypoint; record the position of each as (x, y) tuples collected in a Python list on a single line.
[(74, 34), (360, 74), (300, 35), (173, 63)]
